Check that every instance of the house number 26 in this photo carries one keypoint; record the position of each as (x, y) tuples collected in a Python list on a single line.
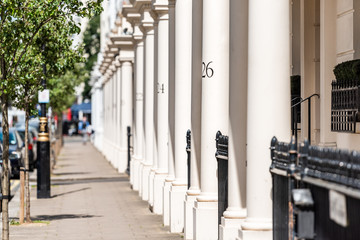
[(207, 71)]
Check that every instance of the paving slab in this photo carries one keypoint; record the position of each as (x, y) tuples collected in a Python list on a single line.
[(89, 200)]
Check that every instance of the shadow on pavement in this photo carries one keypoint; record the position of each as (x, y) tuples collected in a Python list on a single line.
[(61, 216), (74, 191), (69, 173), (89, 180)]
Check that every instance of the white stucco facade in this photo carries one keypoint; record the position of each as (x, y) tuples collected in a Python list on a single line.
[(208, 66)]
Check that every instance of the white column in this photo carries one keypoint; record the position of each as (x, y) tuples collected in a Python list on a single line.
[(327, 62), (126, 110), (139, 121), (236, 211), (272, 84), (171, 116), (214, 112), (149, 103), (195, 157), (118, 110), (162, 104), (155, 150), (183, 16)]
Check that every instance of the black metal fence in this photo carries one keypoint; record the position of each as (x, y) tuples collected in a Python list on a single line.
[(222, 158), (316, 192), (129, 149), (188, 151), (345, 106)]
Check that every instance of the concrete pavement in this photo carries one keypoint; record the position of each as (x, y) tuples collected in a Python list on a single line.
[(90, 200)]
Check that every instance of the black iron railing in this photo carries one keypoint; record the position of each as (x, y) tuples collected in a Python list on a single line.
[(295, 118), (129, 149), (304, 185), (222, 159), (345, 106), (188, 151)]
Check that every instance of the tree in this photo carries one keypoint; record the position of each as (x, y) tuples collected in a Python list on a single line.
[(24, 27)]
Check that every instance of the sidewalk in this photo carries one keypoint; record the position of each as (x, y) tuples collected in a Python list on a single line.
[(90, 200)]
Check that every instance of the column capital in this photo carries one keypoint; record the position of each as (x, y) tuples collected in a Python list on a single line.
[(147, 18), (117, 62), (138, 34), (160, 6), (132, 14)]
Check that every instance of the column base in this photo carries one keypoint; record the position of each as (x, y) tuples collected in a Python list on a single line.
[(122, 161), (177, 197), (189, 205), (206, 220), (159, 180), (231, 223), (134, 173), (145, 183), (255, 229), (151, 188), (166, 200), (140, 174)]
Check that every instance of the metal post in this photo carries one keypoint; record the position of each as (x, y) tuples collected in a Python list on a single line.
[(129, 149), (43, 171), (188, 151), (295, 123), (309, 120)]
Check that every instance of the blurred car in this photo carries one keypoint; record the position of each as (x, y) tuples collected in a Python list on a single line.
[(32, 145), (16, 151)]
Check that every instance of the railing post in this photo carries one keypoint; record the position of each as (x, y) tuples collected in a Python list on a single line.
[(188, 151), (309, 120), (222, 158), (291, 185), (128, 150)]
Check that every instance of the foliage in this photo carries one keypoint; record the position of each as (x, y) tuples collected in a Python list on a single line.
[(348, 71), (62, 88), (91, 41)]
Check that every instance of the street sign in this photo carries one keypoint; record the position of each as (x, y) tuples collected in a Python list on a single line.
[(44, 96)]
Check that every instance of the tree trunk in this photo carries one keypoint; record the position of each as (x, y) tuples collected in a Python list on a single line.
[(27, 189), (5, 169)]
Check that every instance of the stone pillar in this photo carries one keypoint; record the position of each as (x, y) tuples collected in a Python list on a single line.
[(148, 25), (162, 102), (215, 106), (118, 111), (236, 211), (139, 77), (183, 12), (171, 117), (126, 109), (196, 79), (155, 150), (268, 78), (327, 64)]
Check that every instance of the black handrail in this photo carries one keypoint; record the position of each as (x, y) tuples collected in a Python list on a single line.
[(294, 119), (309, 114)]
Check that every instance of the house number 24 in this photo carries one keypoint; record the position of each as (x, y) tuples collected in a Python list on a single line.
[(207, 71)]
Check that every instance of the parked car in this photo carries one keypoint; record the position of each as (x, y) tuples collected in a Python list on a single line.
[(16, 151), (32, 146)]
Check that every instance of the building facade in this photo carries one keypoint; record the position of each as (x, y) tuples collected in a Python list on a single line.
[(170, 66)]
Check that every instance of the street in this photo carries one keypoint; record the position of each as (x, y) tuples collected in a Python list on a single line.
[(89, 200)]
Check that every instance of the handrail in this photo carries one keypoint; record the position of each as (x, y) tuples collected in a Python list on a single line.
[(294, 125), (305, 99), (295, 98)]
